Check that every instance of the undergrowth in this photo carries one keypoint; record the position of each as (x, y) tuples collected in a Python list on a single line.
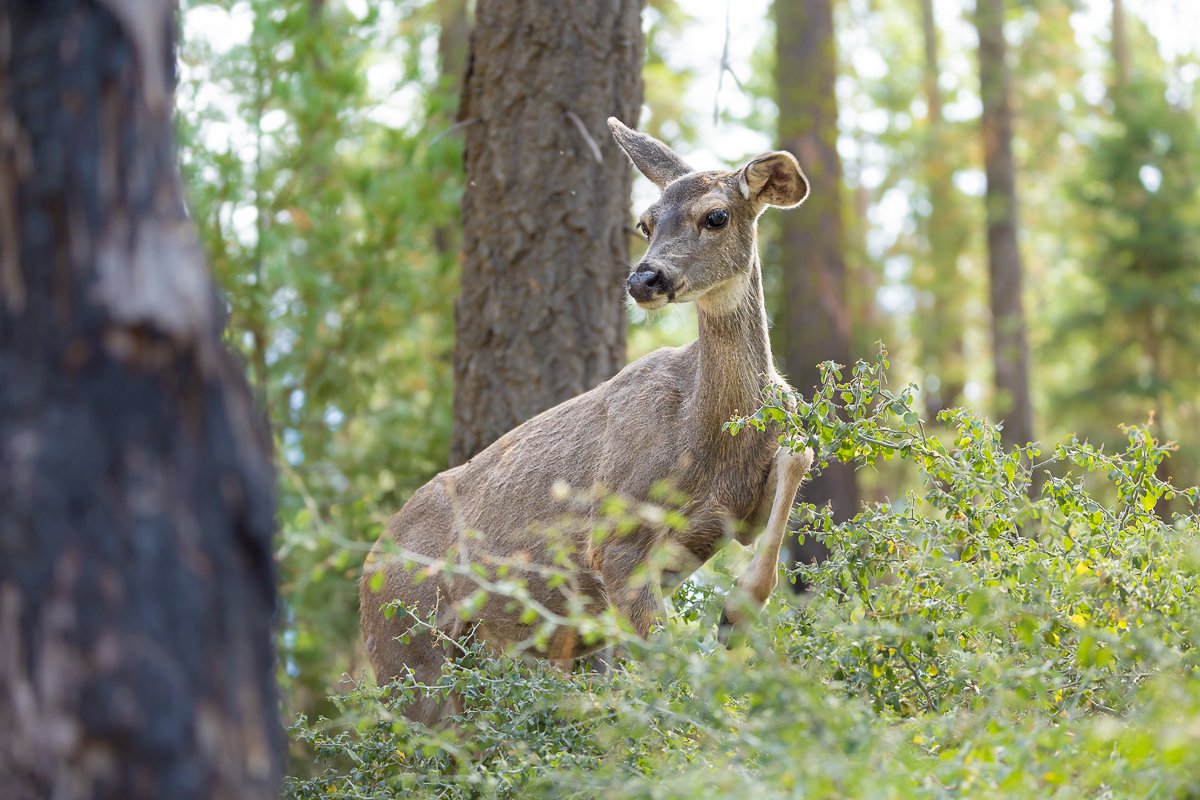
[(973, 638)]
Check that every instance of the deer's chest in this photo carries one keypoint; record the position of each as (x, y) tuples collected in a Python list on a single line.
[(725, 502)]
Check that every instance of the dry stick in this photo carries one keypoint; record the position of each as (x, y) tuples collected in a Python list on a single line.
[(466, 123), (587, 137), (725, 67), (932, 706)]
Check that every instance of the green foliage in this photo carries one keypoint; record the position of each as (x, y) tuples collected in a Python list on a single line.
[(331, 228), (1134, 318), (962, 641)]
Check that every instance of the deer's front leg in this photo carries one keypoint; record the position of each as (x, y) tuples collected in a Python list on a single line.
[(755, 585)]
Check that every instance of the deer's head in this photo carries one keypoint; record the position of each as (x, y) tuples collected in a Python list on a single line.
[(702, 228)]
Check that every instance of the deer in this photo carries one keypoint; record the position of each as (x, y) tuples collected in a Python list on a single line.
[(658, 419)]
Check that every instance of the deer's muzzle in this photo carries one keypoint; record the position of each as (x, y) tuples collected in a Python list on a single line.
[(651, 286)]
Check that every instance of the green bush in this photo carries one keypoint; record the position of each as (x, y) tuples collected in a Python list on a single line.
[(965, 640)]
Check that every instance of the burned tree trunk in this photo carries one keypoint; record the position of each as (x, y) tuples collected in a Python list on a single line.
[(815, 323), (541, 316), (136, 492)]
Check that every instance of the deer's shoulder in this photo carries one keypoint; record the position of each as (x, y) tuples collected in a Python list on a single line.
[(665, 367)]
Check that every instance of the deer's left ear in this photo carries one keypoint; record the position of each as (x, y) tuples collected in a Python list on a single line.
[(774, 179)]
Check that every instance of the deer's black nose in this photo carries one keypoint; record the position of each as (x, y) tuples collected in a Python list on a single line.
[(643, 279)]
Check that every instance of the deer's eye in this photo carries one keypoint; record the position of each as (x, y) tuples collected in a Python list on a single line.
[(716, 218), (643, 230)]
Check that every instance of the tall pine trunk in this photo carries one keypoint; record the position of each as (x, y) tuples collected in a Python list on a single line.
[(454, 30), (1120, 46), (541, 316), (814, 325), (940, 325), (1010, 349), (136, 490), (1119, 94)]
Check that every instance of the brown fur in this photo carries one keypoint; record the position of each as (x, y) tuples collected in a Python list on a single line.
[(657, 420)]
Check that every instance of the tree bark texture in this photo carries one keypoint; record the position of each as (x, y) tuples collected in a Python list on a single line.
[(814, 324), (1010, 348), (136, 489), (541, 316)]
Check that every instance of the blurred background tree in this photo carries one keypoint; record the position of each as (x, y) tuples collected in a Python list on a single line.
[(325, 174), (1010, 344), (814, 323)]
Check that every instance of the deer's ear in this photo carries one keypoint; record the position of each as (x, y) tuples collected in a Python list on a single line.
[(652, 158), (774, 179)]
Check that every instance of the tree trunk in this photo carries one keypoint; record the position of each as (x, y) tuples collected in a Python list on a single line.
[(136, 490), (815, 323), (541, 316), (1120, 46), (454, 32), (940, 334), (1010, 350)]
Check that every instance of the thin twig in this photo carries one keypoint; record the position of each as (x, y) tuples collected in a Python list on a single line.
[(722, 68), (458, 126), (725, 67), (587, 137), (932, 706)]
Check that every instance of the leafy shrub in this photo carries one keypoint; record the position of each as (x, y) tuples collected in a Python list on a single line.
[(965, 640)]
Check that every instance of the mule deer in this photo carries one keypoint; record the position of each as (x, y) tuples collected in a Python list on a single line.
[(660, 418)]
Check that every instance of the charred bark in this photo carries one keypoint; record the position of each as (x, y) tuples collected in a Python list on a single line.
[(814, 325), (541, 315), (136, 490)]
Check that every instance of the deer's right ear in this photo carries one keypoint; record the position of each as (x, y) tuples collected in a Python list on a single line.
[(652, 158)]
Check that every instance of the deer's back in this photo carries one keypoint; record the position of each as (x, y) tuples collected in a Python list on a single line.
[(626, 435)]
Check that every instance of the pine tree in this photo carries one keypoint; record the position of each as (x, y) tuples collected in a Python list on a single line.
[(1010, 346), (541, 315), (815, 324), (1135, 326)]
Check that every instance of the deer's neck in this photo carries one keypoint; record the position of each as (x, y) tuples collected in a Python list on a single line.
[(734, 350)]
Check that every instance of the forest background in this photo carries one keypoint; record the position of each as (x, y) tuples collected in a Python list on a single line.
[(323, 163)]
